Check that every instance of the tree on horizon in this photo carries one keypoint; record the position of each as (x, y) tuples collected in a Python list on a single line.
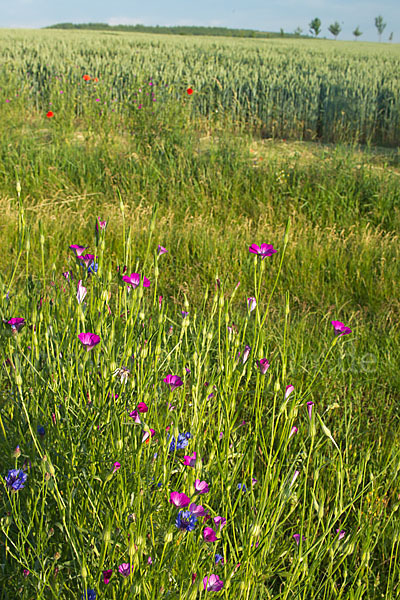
[(357, 33), (315, 26), (380, 25), (335, 29)]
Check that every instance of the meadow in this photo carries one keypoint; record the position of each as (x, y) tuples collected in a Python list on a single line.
[(199, 294)]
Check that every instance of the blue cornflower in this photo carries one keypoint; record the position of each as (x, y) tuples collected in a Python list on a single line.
[(186, 520), (93, 267), (218, 557), (40, 430), (242, 487), (183, 441), (15, 479), (89, 595)]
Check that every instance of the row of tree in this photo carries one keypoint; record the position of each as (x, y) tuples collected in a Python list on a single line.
[(335, 29)]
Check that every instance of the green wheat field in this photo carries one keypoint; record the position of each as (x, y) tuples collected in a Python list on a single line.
[(199, 296)]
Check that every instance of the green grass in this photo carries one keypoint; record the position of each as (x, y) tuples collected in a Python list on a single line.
[(206, 188)]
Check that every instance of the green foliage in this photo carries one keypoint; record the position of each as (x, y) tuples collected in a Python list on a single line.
[(335, 29), (380, 25), (357, 33), (315, 26)]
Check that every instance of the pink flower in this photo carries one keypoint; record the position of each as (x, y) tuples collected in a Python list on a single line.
[(289, 390), (264, 250), (197, 509), (101, 224), (82, 291), (146, 437), (179, 500), (25, 572), (295, 476), (201, 487), (293, 431), (173, 381), (263, 365), (221, 521), (106, 576), (209, 535), (16, 323), (135, 415), (134, 280), (117, 466), (90, 340), (79, 250), (125, 569), (296, 538), (309, 408), (340, 329), (161, 250), (341, 533), (190, 461), (213, 583), (142, 407), (251, 303)]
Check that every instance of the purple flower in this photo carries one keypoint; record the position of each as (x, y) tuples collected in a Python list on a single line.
[(197, 509), (79, 250), (190, 461), (296, 538), (67, 275), (264, 250), (90, 340), (125, 569), (146, 436), (251, 303), (134, 280), (293, 431), (101, 224), (135, 415), (89, 595), (213, 583), (341, 533), (173, 381), (295, 476), (179, 500), (209, 535), (142, 407), (161, 250), (241, 486), (201, 487), (16, 323), (340, 329), (263, 365), (40, 430), (218, 558), (309, 408), (15, 479), (184, 313), (186, 520), (107, 575), (82, 291), (246, 353), (289, 390), (182, 442), (221, 521), (88, 260), (117, 466)]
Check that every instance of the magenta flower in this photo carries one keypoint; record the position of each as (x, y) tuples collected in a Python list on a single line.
[(135, 415), (264, 250), (309, 408), (213, 583), (88, 259), (142, 407), (179, 500), (251, 303), (146, 437), (67, 275), (293, 431), (263, 365), (296, 538), (340, 329), (16, 323), (295, 476), (198, 510), (79, 250), (201, 487), (125, 569), (173, 381), (25, 572), (107, 575), (221, 521), (246, 353), (101, 224), (341, 533), (289, 390), (161, 250), (117, 466), (190, 461), (134, 280), (89, 340), (82, 291), (209, 534)]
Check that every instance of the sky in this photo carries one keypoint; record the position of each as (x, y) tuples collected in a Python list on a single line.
[(263, 15)]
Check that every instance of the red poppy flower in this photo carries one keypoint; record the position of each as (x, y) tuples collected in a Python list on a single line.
[(86, 77), (50, 114), (96, 79), (189, 91)]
